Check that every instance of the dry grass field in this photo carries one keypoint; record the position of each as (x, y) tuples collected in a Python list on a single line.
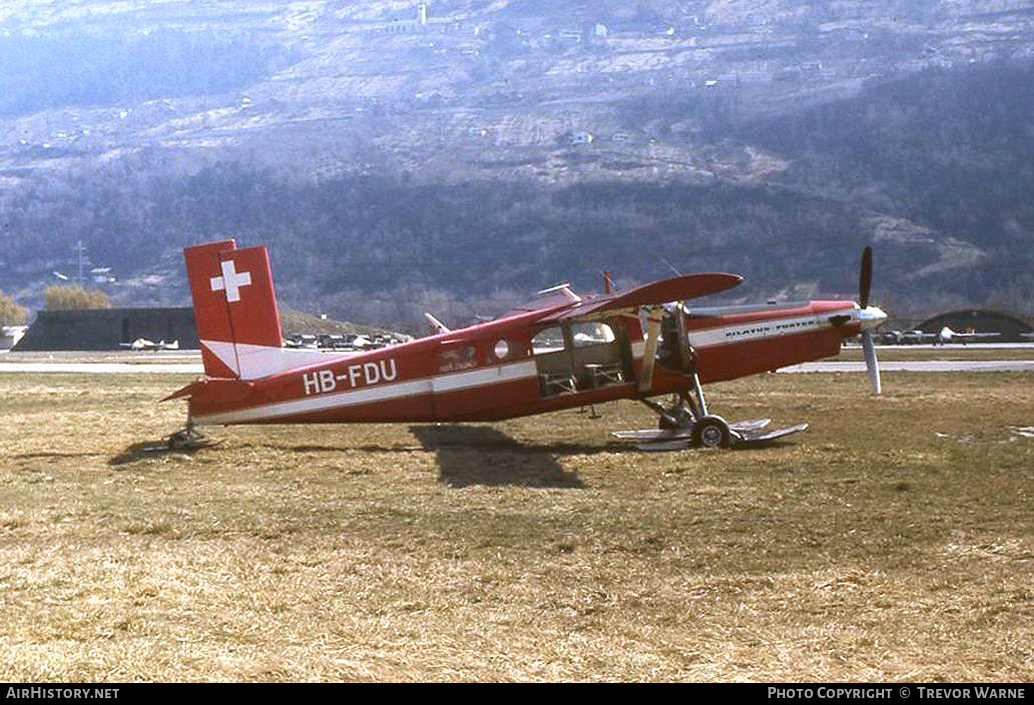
[(894, 540)]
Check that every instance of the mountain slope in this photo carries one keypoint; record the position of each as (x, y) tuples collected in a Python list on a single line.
[(461, 157)]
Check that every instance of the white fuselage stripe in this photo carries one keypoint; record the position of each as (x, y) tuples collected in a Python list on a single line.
[(384, 392), (483, 377), (757, 330)]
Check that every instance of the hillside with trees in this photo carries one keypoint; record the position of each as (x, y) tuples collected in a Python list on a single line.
[(458, 157)]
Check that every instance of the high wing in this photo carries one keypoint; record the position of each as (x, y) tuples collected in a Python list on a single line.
[(650, 296), (690, 286)]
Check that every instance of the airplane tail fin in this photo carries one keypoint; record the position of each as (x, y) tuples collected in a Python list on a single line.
[(234, 308)]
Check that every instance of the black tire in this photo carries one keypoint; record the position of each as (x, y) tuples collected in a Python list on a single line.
[(712, 432)]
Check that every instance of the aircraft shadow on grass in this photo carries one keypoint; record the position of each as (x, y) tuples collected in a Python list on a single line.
[(465, 455), (482, 455)]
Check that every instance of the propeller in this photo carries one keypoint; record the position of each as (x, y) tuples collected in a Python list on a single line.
[(865, 278), (872, 366)]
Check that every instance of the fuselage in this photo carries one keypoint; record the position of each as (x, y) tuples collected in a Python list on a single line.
[(531, 362)]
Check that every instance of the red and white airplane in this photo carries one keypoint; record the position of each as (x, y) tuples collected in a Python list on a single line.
[(560, 351)]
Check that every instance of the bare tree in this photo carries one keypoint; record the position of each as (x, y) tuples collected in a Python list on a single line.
[(11, 314), (57, 298)]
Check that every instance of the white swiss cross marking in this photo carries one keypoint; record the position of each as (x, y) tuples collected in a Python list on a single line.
[(231, 281)]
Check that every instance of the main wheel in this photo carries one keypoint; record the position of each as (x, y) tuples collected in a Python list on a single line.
[(712, 432)]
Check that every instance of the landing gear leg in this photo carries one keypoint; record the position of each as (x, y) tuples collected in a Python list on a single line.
[(688, 410), (187, 438), (674, 416)]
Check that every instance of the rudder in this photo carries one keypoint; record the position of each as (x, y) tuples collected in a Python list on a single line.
[(235, 307)]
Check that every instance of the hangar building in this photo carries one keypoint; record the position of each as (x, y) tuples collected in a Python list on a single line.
[(1010, 327), (108, 328)]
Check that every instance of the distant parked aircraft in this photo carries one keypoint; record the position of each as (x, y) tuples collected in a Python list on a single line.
[(947, 335), (144, 344), (904, 337)]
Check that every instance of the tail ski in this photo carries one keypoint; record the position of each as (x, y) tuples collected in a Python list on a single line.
[(235, 312)]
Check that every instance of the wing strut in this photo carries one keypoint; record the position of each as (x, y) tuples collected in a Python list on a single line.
[(653, 332)]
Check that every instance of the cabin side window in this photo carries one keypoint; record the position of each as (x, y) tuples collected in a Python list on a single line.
[(463, 357), (591, 333), (547, 340), (579, 356)]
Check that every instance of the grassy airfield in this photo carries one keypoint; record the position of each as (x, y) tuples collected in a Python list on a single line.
[(894, 540)]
